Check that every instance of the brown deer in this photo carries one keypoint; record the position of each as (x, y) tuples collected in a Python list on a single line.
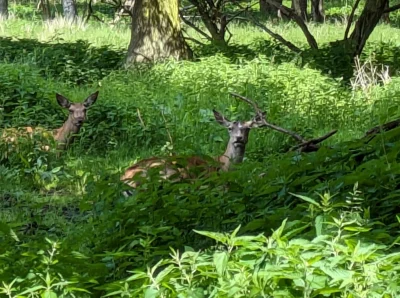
[(171, 166), (64, 136)]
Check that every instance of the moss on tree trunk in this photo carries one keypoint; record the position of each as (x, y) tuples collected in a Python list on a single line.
[(156, 32)]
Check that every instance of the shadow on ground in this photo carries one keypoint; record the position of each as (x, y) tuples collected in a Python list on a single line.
[(75, 63)]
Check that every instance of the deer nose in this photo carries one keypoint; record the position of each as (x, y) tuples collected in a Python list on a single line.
[(239, 138)]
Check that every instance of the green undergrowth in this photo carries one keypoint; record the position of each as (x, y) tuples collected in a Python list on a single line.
[(320, 224), (339, 233)]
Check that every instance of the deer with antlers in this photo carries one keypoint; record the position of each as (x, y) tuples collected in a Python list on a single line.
[(234, 153), (64, 136), (169, 167)]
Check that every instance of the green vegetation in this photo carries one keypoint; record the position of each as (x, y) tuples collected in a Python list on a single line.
[(322, 224)]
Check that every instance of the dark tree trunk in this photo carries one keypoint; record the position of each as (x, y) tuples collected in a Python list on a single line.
[(386, 16), (269, 10), (214, 20), (45, 8), (369, 18), (4, 9), (69, 9), (156, 32), (317, 11), (300, 8)]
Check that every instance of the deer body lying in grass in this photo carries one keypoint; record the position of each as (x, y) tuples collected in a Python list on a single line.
[(64, 136), (169, 167)]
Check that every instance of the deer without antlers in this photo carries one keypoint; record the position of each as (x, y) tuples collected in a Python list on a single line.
[(168, 167), (64, 136)]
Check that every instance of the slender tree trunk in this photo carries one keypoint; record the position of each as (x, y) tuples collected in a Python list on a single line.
[(300, 8), (317, 11), (269, 10), (369, 18), (156, 32), (69, 9), (4, 9)]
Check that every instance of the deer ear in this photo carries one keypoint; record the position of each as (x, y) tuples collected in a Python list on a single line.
[(63, 101), (91, 99), (221, 119)]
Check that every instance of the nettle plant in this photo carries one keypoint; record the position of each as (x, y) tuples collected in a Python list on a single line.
[(339, 260)]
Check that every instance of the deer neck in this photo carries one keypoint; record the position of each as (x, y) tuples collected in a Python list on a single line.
[(65, 134), (233, 154)]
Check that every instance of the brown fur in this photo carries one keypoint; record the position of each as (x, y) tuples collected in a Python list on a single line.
[(64, 136), (169, 167)]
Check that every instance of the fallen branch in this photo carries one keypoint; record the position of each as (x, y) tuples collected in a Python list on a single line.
[(385, 127), (304, 146), (311, 145)]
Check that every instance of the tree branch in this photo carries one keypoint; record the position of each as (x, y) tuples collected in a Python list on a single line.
[(291, 14), (243, 9), (391, 9), (276, 36), (350, 20), (193, 40), (384, 127), (201, 32)]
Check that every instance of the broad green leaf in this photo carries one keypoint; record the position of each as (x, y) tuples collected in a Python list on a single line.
[(151, 292), (213, 235), (49, 294), (307, 199), (221, 261)]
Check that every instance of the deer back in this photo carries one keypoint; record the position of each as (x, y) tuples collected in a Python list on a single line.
[(172, 168)]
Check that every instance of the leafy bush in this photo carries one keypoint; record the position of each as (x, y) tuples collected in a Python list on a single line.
[(75, 63)]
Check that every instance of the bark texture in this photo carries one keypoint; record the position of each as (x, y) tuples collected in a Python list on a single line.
[(69, 9), (156, 32), (317, 11), (386, 16), (45, 8), (369, 18), (269, 10), (300, 8), (4, 9)]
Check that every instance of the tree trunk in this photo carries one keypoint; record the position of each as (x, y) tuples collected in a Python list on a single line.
[(156, 32), (300, 8), (269, 10), (4, 9), (69, 9), (386, 16), (369, 18), (317, 11), (45, 8)]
